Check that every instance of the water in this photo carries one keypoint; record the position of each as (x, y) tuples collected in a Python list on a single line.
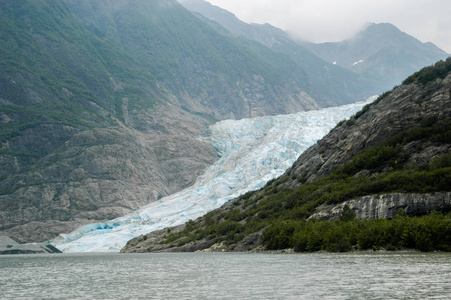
[(227, 276)]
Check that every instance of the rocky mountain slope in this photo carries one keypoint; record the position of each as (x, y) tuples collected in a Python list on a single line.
[(398, 147), (101, 103)]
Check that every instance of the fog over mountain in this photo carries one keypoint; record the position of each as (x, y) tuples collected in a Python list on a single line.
[(372, 61), (321, 21)]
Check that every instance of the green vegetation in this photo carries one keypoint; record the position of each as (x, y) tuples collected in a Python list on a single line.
[(428, 74), (283, 209), (180, 51), (77, 62), (53, 71), (70, 66), (426, 233)]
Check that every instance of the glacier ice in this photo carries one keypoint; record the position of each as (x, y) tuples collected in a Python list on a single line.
[(252, 152)]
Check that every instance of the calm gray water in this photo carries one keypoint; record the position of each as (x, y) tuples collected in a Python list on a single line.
[(226, 276)]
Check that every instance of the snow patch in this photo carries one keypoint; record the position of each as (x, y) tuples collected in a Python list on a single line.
[(357, 62)]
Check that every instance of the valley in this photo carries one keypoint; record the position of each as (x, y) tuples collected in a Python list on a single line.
[(252, 152), (107, 108)]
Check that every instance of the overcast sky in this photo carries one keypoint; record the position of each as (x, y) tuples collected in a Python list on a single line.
[(335, 20)]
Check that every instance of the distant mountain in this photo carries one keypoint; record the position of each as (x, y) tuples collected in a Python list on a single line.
[(390, 160), (381, 52), (335, 85), (101, 103), (370, 63)]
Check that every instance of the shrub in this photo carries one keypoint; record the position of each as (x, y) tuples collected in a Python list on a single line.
[(426, 233)]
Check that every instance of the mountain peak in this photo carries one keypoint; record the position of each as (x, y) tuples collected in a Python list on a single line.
[(382, 26), (380, 51), (385, 31)]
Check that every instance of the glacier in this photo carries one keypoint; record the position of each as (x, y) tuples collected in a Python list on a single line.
[(251, 152)]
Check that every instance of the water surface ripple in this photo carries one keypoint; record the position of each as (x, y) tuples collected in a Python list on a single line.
[(226, 276)]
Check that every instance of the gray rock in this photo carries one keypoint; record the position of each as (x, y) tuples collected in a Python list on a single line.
[(7, 242), (406, 107), (387, 206), (9, 246), (101, 174)]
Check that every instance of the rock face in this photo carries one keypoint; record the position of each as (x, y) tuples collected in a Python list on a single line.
[(100, 174), (387, 206), (407, 106), (9, 246)]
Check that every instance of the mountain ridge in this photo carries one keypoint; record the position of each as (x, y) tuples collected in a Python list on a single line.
[(340, 86), (101, 104), (380, 51), (371, 62)]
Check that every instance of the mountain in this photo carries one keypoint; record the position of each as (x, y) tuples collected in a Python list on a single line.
[(370, 63), (389, 160), (189, 59), (381, 52), (337, 85), (101, 104)]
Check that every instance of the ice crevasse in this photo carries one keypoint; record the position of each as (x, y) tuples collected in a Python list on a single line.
[(251, 152)]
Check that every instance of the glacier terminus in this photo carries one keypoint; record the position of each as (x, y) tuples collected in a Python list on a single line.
[(251, 152)]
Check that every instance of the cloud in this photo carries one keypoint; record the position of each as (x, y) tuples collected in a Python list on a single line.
[(335, 20)]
